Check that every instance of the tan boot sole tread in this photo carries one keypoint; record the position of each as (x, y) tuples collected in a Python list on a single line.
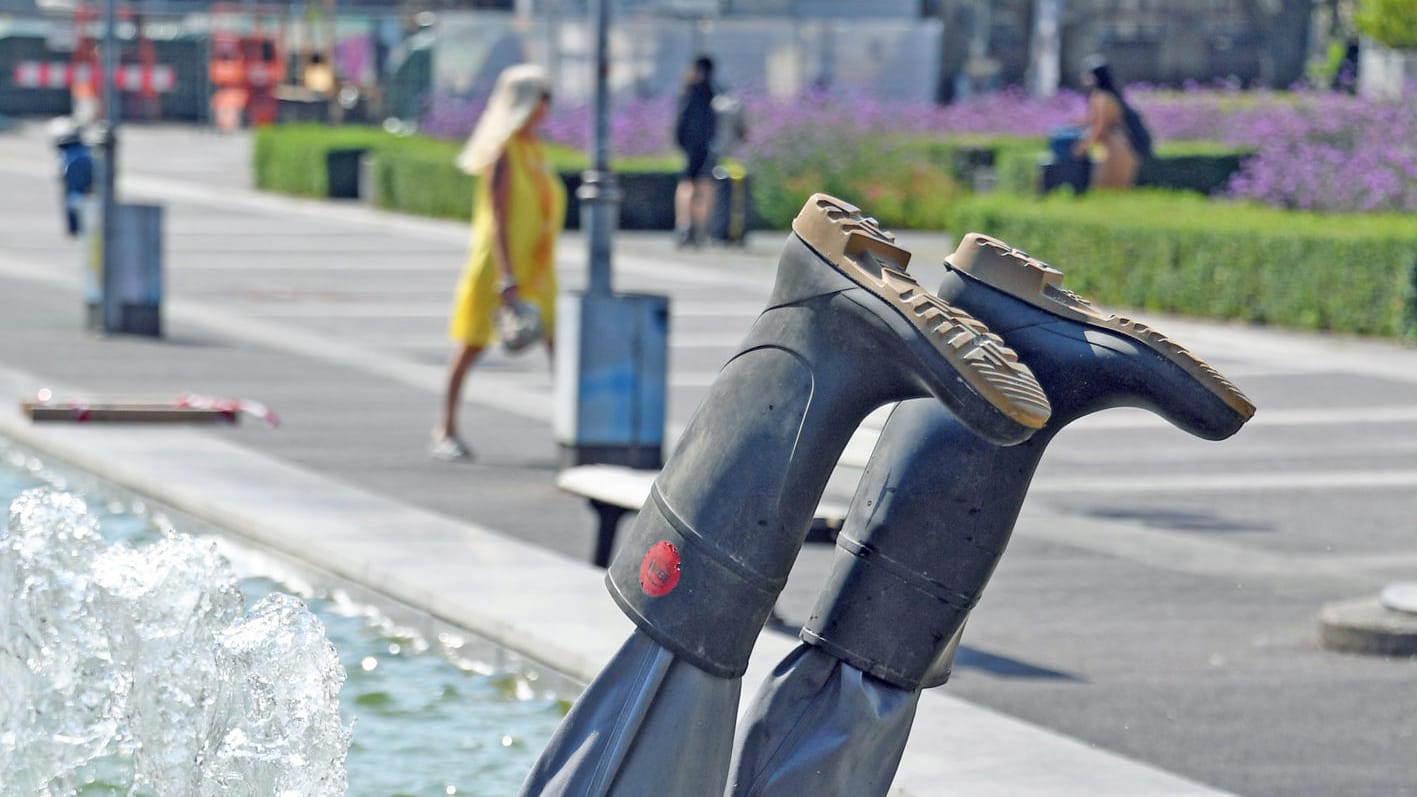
[(857, 247), (1031, 280)]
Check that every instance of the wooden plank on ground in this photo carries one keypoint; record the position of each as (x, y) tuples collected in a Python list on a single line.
[(107, 412)]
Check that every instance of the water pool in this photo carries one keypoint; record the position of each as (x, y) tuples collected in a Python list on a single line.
[(431, 713)]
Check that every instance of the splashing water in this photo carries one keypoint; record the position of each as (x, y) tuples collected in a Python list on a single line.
[(143, 660)]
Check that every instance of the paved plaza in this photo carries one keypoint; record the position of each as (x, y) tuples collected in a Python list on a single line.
[(1158, 600)]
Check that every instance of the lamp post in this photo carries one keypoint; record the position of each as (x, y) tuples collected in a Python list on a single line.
[(109, 310), (599, 192), (611, 357), (123, 259)]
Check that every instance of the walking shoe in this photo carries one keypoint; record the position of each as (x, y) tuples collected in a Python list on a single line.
[(845, 331), (686, 237), (450, 449)]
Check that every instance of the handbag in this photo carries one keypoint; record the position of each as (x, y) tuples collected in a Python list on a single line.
[(518, 325)]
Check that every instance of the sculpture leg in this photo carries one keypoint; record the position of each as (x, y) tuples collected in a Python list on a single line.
[(846, 330), (642, 689), (935, 509), (808, 729)]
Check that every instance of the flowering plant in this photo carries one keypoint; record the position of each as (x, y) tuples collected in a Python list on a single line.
[(1313, 150)]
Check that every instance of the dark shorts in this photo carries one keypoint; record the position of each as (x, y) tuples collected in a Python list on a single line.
[(699, 165)]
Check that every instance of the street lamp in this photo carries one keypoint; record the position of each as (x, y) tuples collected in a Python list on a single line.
[(123, 282), (109, 311), (599, 192), (611, 358)]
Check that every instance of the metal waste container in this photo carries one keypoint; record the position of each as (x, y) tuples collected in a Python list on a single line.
[(611, 363), (1061, 167)]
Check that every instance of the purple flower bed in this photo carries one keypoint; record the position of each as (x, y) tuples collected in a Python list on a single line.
[(1333, 153), (449, 117), (1314, 150), (637, 127)]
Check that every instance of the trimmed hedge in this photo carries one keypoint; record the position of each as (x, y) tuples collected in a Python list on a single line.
[(905, 183), (1162, 251), (416, 174), (419, 177), (422, 179), (292, 159), (1199, 166), (1180, 253)]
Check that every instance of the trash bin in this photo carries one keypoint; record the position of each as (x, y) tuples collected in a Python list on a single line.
[(342, 172), (611, 379), (1060, 167), (731, 213), (1062, 140)]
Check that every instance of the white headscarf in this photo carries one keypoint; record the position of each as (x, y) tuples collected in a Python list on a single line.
[(518, 90)]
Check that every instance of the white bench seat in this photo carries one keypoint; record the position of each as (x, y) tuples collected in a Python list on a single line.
[(614, 490)]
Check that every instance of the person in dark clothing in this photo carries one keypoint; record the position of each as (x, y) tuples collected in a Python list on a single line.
[(1345, 78), (76, 173), (694, 130)]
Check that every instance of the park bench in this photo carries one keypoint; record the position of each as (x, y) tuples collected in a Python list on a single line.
[(613, 491)]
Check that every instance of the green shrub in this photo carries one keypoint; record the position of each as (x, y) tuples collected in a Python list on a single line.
[(290, 159), (418, 176), (413, 174), (904, 183), (1016, 169), (1391, 23), (1174, 252), (962, 156)]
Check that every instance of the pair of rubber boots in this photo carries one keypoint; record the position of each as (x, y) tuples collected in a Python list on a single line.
[(930, 520), (848, 330)]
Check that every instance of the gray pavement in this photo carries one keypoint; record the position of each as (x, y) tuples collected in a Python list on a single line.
[(1159, 599)]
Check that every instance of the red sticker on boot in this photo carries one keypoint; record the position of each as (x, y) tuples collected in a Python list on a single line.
[(659, 572)]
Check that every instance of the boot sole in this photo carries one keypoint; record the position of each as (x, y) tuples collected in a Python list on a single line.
[(857, 248), (1030, 280)]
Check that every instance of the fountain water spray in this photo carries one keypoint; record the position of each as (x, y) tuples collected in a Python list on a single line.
[(142, 661)]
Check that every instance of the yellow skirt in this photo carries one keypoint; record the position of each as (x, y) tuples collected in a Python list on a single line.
[(477, 299)]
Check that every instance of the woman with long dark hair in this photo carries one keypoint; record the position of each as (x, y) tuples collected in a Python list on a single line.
[(1117, 166)]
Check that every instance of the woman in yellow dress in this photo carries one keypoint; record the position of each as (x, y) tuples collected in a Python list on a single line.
[(518, 212)]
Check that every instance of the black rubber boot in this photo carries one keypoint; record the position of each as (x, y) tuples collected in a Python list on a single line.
[(937, 503), (846, 331)]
